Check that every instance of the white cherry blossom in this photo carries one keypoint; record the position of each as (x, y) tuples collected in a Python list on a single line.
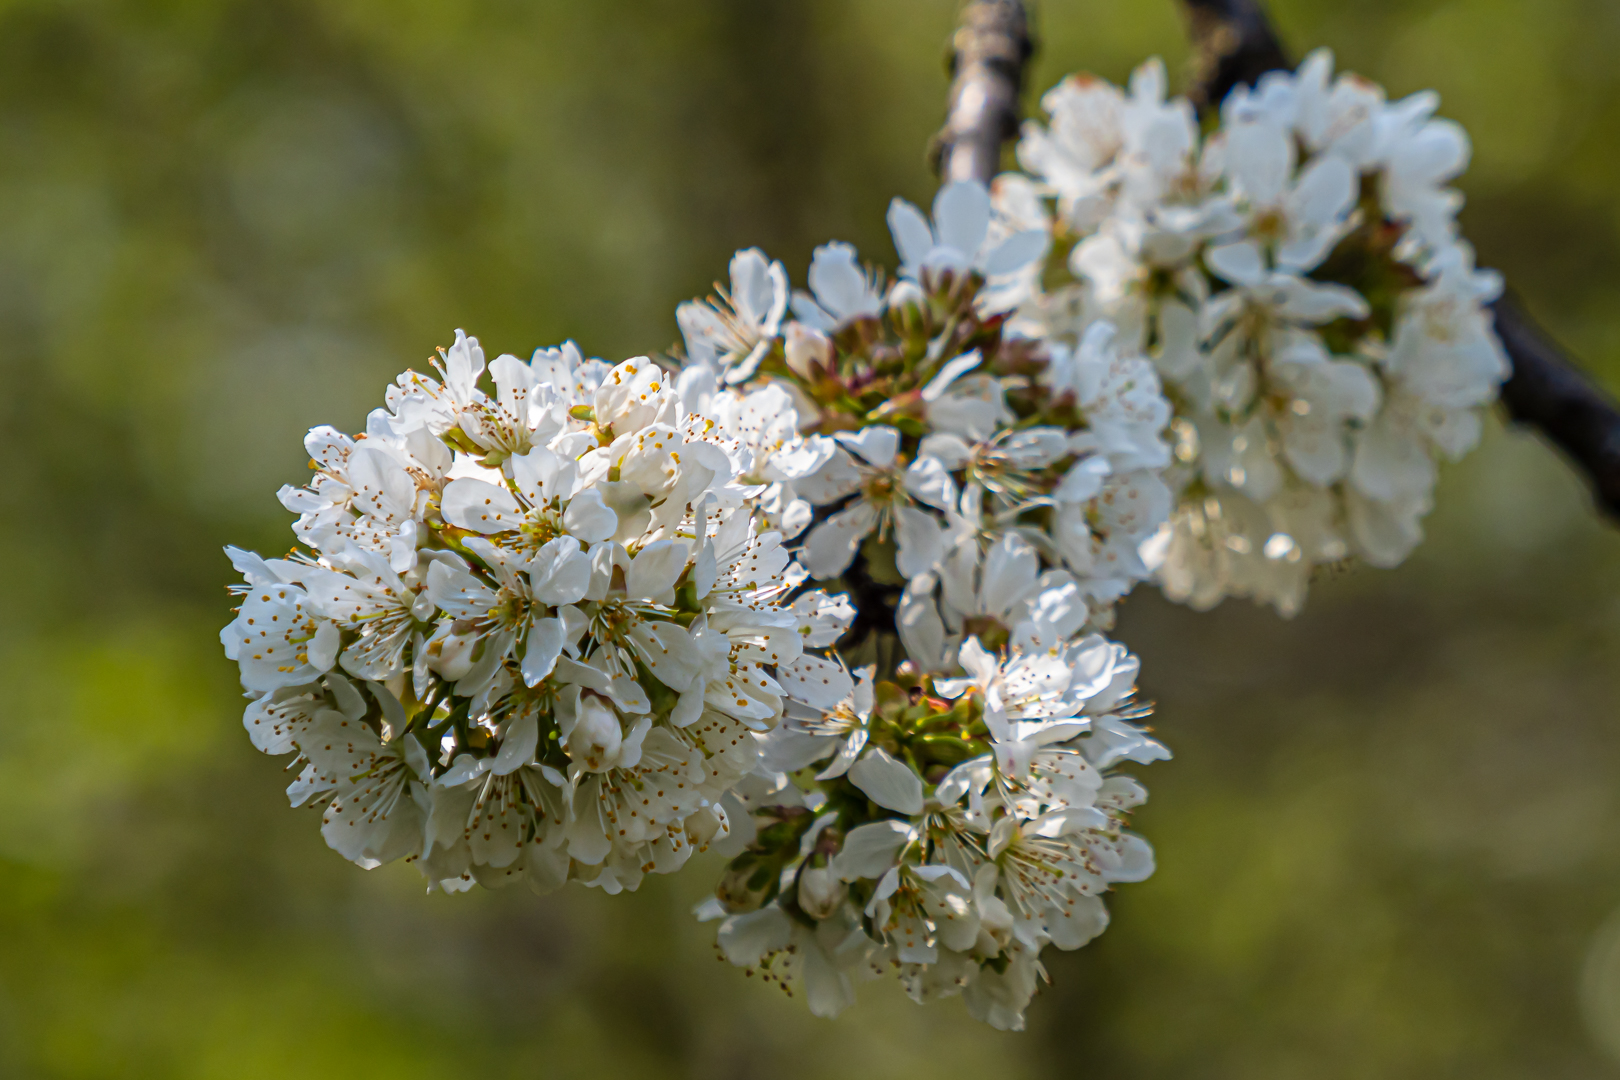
[(868, 465), (734, 331), (959, 239), (840, 290), (561, 613)]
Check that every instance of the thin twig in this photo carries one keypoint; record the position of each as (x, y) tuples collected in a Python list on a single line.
[(988, 56), (1547, 390), (989, 53)]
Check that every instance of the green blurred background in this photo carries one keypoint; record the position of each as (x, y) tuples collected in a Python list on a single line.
[(1388, 843)]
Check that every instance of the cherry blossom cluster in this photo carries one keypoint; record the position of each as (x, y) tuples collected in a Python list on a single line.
[(1297, 278), (956, 810), (533, 629), (827, 590), (942, 830)]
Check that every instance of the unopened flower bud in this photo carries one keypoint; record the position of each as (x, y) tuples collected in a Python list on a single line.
[(908, 304), (450, 655), (629, 395), (746, 884), (820, 891), (596, 737), (809, 351), (706, 823)]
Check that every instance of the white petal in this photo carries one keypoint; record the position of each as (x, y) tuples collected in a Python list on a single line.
[(1261, 157), (323, 648), (517, 745), (701, 329), (1325, 190), (1083, 480), (878, 445), (706, 570), (952, 451), (689, 708), (887, 782), (533, 471), (816, 682), (921, 539), (480, 507), (1385, 533), (929, 482), (1074, 925), (977, 660), (655, 569), (922, 631), (1240, 263), (1317, 303), (545, 646), (948, 374), (870, 850), (828, 989), (1392, 462), (847, 753), (839, 283), (810, 314), (458, 592), (349, 700), (831, 546), (969, 777), (561, 572), (962, 216), (1017, 251), (1315, 446), (752, 285), (912, 236), (589, 518), (1010, 569), (745, 939)]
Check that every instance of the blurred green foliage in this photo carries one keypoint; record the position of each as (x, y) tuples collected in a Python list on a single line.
[(1388, 844)]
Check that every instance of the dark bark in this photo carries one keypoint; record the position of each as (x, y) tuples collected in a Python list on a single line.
[(988, 56), (1547, 390), (875, 604), (1548, 393), (1233, 44)]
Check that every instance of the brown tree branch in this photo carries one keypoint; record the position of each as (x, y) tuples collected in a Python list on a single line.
[(1547, 390), (988, 55), (989, 52)]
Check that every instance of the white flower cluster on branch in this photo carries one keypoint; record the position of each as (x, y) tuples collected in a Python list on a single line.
[(1297, 277), (945, 818), (562, 624), (565, 623), (535, 630)]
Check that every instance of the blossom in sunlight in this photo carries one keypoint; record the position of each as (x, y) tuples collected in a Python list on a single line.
[(960, 238), (534, 632), (1297, 278), (559, 620), (959, 884), (944, 813), (840, 290), (734, 330), (886, 492)]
